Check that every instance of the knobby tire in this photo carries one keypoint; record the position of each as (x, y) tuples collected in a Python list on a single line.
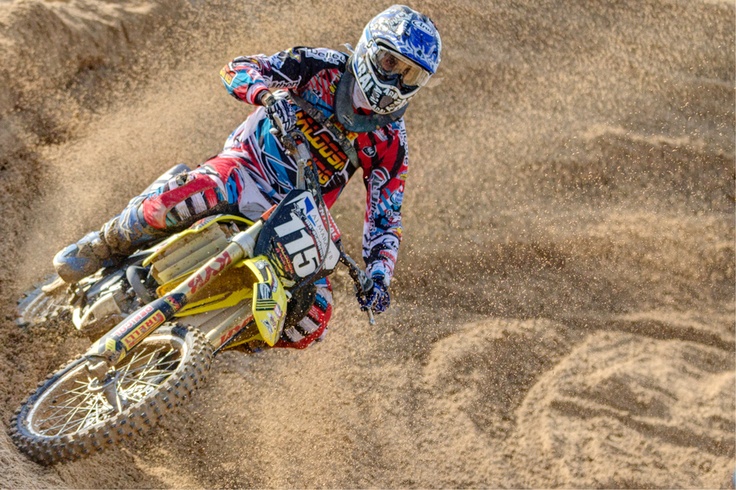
[(65, 419)]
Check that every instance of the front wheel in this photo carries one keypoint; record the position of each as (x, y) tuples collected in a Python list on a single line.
[(71, 416)]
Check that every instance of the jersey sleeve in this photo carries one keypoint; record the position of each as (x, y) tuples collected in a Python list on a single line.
[(384, 175), (246, 76)]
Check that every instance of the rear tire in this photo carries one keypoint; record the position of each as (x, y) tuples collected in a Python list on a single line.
[(67, 418), (44, 303)]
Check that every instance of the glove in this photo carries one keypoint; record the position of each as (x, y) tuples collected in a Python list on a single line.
[(281, 113), (378, 298)]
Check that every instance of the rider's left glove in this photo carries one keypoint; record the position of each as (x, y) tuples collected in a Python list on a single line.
[(282, 113), (378, 299)]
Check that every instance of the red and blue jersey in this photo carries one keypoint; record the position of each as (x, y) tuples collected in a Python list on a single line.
[(313, 74)]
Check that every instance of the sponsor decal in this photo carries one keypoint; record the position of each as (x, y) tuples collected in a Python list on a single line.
[(325, 55), (294, 55), (381, 134), (227, 75), (265, 270), (378, 178), (283, 258), (140, 315), (264, 298), (267, 322), (229, 334), (275, 62), (328, 156), (284, 83), (156, 319), (111, 345), (204, 277), (234, 330), (264, 292), (397, 198), (320, 229), (173, 302), (366, 82), (334, 230), (306, 209), (262, 305), (273, 320), (422, 27)]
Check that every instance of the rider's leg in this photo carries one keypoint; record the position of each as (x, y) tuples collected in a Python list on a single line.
[(314, 325), (212, 188), (92, 252)]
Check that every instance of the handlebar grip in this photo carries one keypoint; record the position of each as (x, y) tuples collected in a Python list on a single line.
[(366, 284), (266, 98)]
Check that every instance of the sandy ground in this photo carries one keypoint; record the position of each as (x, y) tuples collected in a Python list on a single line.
[(564, 302)]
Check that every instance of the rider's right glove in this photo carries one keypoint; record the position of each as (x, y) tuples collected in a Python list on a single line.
[(280, 111), (378, 299)]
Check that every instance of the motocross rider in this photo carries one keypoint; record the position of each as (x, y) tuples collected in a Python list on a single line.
[(349, 107)]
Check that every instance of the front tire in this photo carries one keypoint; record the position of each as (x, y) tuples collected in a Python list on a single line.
[(68, 417)]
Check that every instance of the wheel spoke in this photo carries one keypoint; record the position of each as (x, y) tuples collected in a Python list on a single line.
[(84, 422), (142, 384), (75, 403), (80, 408), (139, 389), (74, 412), (150, 363), (70, 407), (159, 365)]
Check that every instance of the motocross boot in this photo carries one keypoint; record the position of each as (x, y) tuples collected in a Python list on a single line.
[(118, 238), (83, 258)]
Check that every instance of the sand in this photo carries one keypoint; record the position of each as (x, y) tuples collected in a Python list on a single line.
[(563, 308)]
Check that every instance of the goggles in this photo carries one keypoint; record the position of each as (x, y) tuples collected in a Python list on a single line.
[(391, 66)]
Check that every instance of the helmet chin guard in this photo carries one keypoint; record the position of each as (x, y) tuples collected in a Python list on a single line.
[(358, 123)]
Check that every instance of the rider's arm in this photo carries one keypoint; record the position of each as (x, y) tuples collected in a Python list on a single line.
[(248, 77), (384, 175)]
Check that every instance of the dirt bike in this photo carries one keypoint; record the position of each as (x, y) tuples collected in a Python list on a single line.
[(161, 315)]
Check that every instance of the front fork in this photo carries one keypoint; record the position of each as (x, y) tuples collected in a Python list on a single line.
[(114, 346), (106, 383)]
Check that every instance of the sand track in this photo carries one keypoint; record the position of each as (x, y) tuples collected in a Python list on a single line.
[(564, 303)]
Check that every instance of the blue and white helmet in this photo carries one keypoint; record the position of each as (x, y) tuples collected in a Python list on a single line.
[(397, 54)]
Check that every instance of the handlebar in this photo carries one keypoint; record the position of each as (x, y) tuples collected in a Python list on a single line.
[(363, 283), (295, 144), (293, 140)]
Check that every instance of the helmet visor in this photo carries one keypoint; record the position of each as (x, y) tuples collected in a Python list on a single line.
[(390, 66)]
